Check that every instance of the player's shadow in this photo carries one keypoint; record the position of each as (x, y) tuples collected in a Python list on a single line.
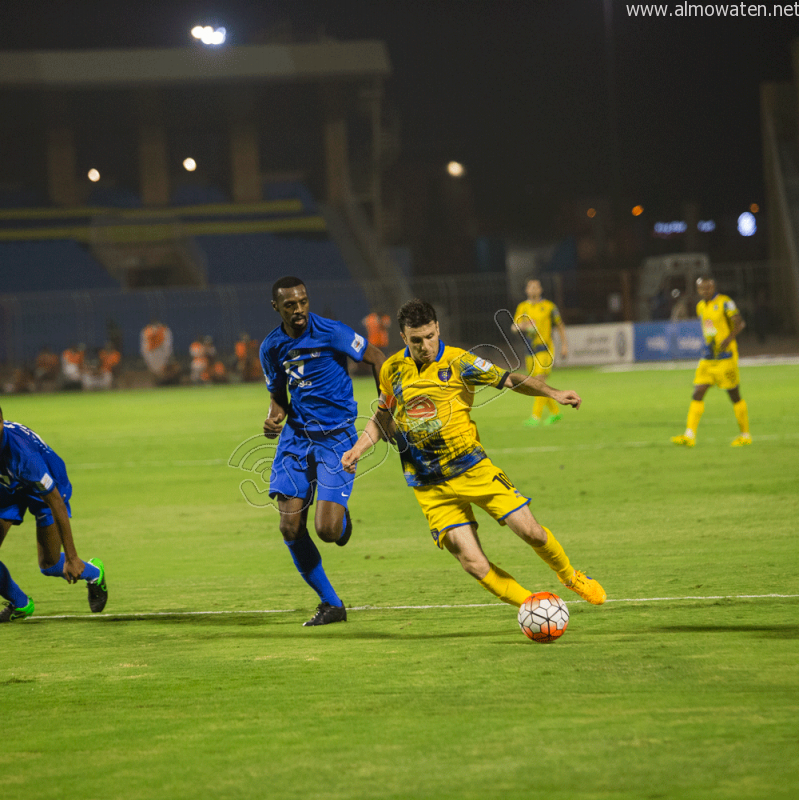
[(283, 625), (787, 631)]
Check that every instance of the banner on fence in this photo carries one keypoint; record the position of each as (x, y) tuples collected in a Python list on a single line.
[(589, 345), (668, 341)]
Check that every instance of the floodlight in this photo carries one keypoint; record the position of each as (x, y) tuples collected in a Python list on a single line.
[(456, 169)]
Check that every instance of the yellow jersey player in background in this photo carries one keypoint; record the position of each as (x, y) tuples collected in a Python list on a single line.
[(535, 318), (427, 392), (721, 324)]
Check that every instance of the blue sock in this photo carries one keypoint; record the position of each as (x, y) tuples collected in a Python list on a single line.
[(10, 590), (309, 565), (57, 570), (90, 572)]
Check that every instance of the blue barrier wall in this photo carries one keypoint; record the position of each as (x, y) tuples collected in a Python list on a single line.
[(668, 341)]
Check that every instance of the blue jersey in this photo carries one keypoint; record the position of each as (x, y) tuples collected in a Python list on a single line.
[(28, 465), (313, 368)]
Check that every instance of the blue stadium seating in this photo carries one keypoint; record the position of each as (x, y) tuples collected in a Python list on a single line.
[(57, 265)]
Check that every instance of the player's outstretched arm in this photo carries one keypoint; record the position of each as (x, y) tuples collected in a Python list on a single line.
[(537, 387), (73, 566), (380, 426), (374, 357)]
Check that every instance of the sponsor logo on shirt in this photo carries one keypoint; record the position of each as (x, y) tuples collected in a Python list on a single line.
[(358, 342), (482, 364), (421, 408), (45, 483)]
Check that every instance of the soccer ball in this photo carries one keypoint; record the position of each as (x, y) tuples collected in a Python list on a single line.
[(543, 617)]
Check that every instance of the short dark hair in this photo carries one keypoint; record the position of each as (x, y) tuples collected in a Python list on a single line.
[(287, 282), (416, 314)]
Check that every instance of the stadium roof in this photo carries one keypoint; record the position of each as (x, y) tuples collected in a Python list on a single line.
[(95, 69)]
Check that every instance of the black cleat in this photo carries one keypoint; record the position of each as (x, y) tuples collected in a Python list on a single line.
[(11, 613), (98, 590), (325, 614), (345, 537)]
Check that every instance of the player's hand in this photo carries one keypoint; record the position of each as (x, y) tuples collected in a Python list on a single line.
[(273, 425), (349, 461), (568, 398), (73, 569), (564, 351)]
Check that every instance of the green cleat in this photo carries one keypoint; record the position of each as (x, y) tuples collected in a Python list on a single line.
[(98, 591), (531, 422), (553, 419), (10, 613)]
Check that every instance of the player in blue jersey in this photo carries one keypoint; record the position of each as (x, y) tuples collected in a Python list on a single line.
[(313, 412), (34, 478)]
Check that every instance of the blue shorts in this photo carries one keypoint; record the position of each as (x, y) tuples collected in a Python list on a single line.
[(310, 462), (13, 506)]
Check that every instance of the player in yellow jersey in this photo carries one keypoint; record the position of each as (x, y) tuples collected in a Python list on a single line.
[(535, 318), (427, 392), (721, 324)]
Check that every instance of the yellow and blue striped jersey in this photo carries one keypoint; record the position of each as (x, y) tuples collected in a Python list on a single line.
[(431, 404), (545, 315), (716, 316)]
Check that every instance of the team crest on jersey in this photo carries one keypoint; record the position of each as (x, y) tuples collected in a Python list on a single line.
[(358, 342), (421, 408), (444, 374)]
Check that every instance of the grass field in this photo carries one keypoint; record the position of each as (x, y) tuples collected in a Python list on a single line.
[(200, 681)]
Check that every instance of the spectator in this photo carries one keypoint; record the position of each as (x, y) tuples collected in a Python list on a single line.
[(377, 326), (110, 358), (248, 365), (199, 360), (46, 369), (72, 367), (156, 348)]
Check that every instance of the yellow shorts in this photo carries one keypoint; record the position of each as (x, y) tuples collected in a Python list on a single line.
[(536, 364), (449, 504), (722, 373)]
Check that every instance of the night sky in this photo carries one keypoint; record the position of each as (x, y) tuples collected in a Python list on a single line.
[(516, 89)]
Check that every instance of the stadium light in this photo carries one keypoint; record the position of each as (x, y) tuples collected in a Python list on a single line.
[(93, 175), (637, 211), (747, 224), (209, 35), (456, 169), (189, 164), (591, 213)]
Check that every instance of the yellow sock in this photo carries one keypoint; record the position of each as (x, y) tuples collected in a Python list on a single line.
[(694, 415), (553, 554), (742, 415), (538, 406), (552, 406), (504, 586)]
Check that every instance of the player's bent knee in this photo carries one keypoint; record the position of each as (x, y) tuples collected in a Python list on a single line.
[(291, 529), (327, 534)]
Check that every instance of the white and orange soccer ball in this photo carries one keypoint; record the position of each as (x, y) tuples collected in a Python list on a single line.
[(543, 617)]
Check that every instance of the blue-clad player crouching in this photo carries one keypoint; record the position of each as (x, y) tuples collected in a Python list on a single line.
[(34, 478)]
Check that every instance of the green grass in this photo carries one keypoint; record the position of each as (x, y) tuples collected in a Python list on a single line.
[(684, 685)]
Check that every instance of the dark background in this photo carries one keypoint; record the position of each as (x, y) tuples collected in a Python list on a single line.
[(518, 90)]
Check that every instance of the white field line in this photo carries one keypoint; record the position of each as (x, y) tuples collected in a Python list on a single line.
[(690, 364), (157, 614)]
